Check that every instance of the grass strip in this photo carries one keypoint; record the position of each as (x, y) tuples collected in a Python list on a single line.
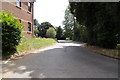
[(34, 43)]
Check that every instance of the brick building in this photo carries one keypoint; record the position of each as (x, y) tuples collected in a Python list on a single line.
[(24, 11)]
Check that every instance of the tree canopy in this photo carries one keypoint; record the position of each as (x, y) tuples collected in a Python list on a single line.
[(68, 23), (43, 28), (36, 23), (51, 33), (59, 32), (101, 21)]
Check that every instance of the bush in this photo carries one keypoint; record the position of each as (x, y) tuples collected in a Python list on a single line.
[(11, 33), (51, 33)]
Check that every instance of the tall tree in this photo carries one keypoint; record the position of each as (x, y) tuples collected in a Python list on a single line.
[(68, 23), (101, 21), (36, 24)]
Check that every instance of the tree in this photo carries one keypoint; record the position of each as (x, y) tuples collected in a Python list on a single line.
[(68, 23), (11, 33), (80, 33), (36, 24), (59, 31), (36, 32), (101, 21), (51, 33), (43, 28)]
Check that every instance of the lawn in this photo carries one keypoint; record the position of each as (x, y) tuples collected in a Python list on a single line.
[(34, 43)]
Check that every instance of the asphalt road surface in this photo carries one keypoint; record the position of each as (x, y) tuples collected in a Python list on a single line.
[(65, 59)]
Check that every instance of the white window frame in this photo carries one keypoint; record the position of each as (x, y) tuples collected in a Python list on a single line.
[(18, 3), (29, 6)]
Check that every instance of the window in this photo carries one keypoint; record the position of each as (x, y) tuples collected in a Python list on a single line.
[(29, 26), (29, 6), (18, 3)]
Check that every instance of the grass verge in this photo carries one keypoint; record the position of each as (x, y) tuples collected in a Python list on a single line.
[(109, 52), (34, 43)]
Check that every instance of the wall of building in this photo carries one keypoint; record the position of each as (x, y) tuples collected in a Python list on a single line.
[(21, 13)]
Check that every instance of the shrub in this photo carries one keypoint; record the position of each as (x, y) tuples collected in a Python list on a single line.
[(51, 33), (11, 33)]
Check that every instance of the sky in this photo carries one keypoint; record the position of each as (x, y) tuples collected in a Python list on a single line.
[(51, 11)]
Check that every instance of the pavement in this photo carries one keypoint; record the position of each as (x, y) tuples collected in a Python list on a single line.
[(66, 59)]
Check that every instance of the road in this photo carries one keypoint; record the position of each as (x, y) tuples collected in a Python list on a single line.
[(65, 59)]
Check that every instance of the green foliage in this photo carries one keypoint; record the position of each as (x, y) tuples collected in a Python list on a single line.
[(51, 33), (68, 23), (36, 25), (67, 38), (11, 33), (0, 41), (118, 46), (59, 31), (36, 22), (36, 32), (101, 21), (80, 33), (43, 28)]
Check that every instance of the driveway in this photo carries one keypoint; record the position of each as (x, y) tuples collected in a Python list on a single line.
[(66, 59)]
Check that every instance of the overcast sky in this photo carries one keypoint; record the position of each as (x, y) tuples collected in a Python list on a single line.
[(51, 11)]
